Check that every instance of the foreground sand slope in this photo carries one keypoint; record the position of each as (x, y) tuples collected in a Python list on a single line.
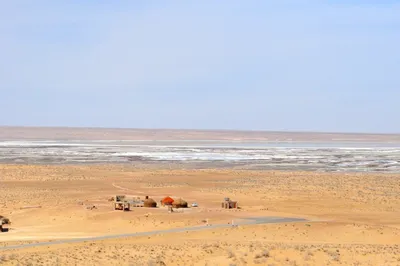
[(354, 219)]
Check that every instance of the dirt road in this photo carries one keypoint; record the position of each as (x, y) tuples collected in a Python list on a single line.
[(241, 222)]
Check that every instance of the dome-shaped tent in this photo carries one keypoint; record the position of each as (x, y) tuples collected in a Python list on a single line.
[(180, 203), (149, 203), (167, 201)]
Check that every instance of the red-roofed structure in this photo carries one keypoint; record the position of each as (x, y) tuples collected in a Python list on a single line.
[(167, 201)]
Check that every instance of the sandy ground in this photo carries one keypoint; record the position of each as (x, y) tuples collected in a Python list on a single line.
[(353, 219)]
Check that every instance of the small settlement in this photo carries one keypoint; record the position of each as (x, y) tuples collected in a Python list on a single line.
[(121, 202)]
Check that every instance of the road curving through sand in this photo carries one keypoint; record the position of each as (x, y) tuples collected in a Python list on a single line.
[(241, 222)]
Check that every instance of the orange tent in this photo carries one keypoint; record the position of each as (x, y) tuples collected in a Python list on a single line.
[(167, 201)]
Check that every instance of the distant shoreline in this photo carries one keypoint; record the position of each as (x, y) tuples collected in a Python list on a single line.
[(315, 156), (113, 134)]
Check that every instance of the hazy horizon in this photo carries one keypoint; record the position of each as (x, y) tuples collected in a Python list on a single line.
[(286, 66), (131, 134), (197, 129)]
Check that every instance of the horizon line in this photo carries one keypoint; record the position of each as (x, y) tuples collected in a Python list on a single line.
[(199, 130)]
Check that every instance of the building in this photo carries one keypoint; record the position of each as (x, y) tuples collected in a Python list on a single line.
[(121, 203), (179, 203), (229, 204), (3, 220), (167, 201), (149, 203)]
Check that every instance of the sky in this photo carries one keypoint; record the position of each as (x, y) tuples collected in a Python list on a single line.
[(331, 66)]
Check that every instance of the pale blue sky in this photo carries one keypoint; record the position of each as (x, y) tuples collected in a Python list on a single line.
[(259, 65)]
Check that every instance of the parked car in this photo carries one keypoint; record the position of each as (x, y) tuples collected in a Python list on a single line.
[(194, 204)]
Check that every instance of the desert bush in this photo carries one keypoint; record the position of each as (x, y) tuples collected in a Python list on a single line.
[(264, 254), (231, 254), (12, 257)]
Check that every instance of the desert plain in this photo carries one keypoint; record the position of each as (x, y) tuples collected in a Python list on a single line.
[(351, 218)]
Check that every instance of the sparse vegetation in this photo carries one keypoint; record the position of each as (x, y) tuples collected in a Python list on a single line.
[(231, 254), (12, 257), (264, 254), (274, 244)]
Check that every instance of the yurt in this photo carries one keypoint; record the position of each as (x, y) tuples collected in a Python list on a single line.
[(167, 201), (149, 203), (180, 203)]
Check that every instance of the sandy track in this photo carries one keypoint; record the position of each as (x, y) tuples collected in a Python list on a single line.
[(121, 188), (126, 189), (245, 221)]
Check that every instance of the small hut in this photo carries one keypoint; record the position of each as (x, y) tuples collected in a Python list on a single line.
[(167, 201), (137, 202), (229, 204), (149, 203), (121, 203), (180, 203), (3, 220)]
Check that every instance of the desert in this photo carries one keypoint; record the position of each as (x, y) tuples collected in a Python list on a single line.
[(204, 133), (349, 218)]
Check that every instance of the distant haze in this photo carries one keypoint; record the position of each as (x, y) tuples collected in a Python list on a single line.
[(37, 133), (327, 66)]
